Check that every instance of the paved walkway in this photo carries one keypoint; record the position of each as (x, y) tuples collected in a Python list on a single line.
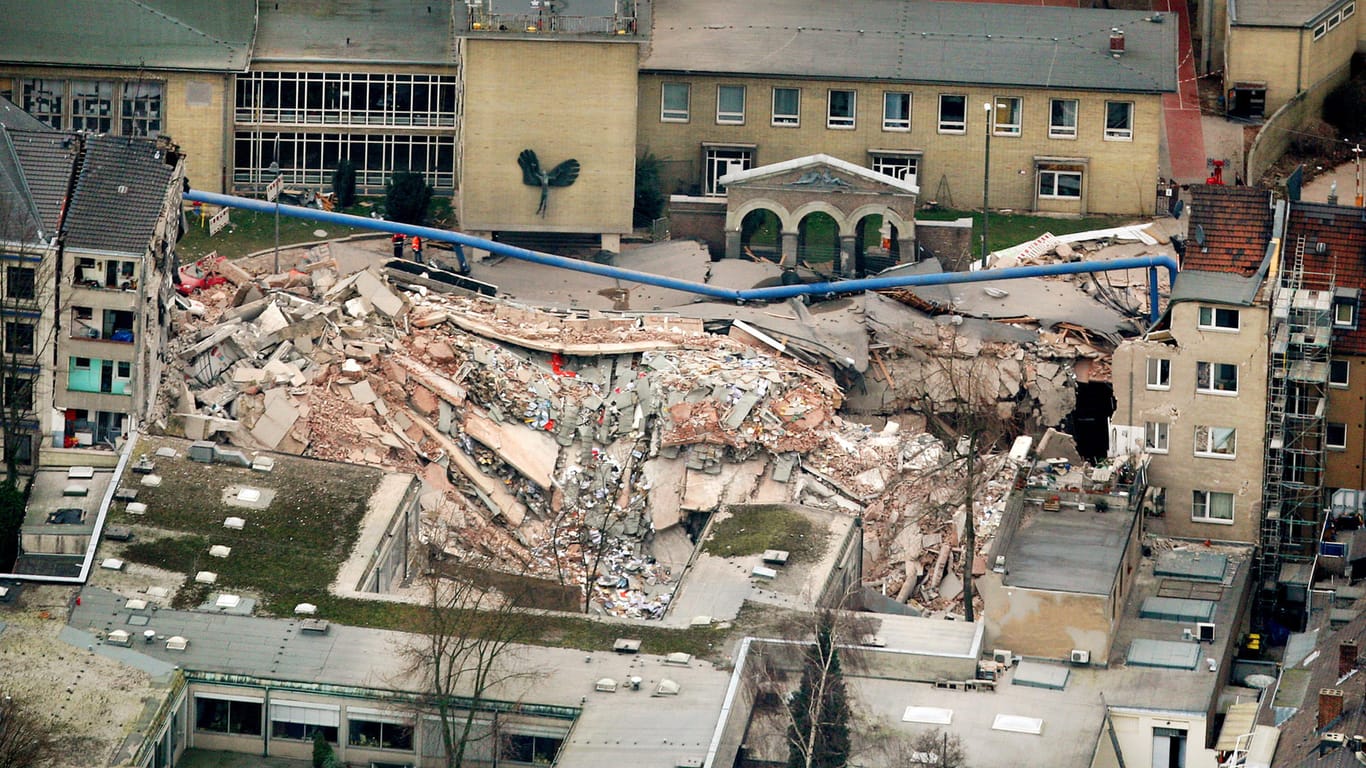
[(1181, 110), (1345, 175)]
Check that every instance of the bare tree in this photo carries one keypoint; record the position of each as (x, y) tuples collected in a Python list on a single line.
[(465, 647), (818, 712), (26, 741)]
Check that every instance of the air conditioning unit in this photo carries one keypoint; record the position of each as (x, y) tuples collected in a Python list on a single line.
[(1204, 631), (1002, 656), (1080, 656)]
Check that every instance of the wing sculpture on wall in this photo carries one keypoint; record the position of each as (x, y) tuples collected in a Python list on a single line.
[(562, 175)]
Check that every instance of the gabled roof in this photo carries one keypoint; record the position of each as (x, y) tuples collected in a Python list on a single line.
[(129, 34), (1299, 741), (120, 190), (35, 174), (1342, 230), (914, 41), (11, 116), (1234, 224), (812, 161)]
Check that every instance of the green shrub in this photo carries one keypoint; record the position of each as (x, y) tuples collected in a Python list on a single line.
[(1345, 107), (344, 184), (407, 198), (649, 203)]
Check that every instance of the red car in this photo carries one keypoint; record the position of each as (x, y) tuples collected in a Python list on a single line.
[(200, 275)]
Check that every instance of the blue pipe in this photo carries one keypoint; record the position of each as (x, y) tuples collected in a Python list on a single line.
[(1151, 263)]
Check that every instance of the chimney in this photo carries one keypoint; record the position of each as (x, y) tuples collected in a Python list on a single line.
[(1116, 42), (1347, 657), (1330, 706)]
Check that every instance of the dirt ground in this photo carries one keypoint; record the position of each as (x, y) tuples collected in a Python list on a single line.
[(91, 700)]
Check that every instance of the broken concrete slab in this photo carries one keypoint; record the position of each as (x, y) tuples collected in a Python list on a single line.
[(532, 452)]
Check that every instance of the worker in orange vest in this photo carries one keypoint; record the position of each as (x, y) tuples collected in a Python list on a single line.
[(417, 249)]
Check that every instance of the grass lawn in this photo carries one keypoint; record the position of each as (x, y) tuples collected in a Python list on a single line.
[(249, 231), (1009, 229), (751, 530), (289, 553)]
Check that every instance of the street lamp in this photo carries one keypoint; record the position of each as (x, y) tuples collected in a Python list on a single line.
[(274, 176), (986, 187)]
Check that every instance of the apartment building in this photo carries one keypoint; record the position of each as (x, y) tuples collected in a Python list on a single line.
[(1192, 392), (87, 292)]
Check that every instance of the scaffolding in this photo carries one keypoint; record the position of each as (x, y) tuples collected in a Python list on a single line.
[(1296, 405)]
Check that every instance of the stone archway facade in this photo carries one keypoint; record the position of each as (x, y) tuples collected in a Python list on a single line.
[(846, 192)]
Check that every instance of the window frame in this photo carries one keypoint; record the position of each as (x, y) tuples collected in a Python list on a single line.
[(895, 161), (27, 346), (1351, 308), (786, 120), (710, 187), (1328, 435), (1053, 176), (1213, 388), (1056, 131), (12, 271), (229, 721), (835, 122), (730, 117), (1163, 371), (897, 124), (353, 733), (1120, 134), (1157, 436), (954, 127), (1015, 108), (1210, 449), (1346, 368), (1207, 505), (667, 115), (1213, 324)]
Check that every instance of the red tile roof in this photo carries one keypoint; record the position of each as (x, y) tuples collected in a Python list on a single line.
[(1235, 224), (1342, 230)]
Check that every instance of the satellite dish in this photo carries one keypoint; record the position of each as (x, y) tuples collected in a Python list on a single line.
[(1200, 235)]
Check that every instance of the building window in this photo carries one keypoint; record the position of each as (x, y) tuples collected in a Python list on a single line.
[(723, 160), (898, 166), (1348, 10), (730, 104), (1059, 182), (1336, 436), (92, 106), (1338, 373), (1216, 442), (18, 393), (840, 111), (1345, 314), (310, 157), (1334, 21), (301, 720), (1005, 116), (1159, 373), (46, 100), (141, 111), (674, 102), (1320, 31), (1062, 119), (241, 717), (1155, 436), (1212, 506), (787, 106), (896, 111), (380, 732), (18, 338), (346, 99), (19, 282), (529, 750), (1216, 378), (953, 113), (1218, 319), (1119, 120)]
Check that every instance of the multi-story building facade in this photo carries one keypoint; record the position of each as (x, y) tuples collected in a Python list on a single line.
[(87, 292), (910, 90), (1192, 391)]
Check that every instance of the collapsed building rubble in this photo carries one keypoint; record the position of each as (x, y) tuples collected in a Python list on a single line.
[(575, 446)]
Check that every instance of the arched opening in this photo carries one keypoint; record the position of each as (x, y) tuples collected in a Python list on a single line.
[(761, 233), (818, 241), (869, 255)]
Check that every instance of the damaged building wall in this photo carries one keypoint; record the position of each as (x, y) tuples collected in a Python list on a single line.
[(1172, 392)]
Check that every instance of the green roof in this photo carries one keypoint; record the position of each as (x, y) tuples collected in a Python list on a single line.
[(147, 34)]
